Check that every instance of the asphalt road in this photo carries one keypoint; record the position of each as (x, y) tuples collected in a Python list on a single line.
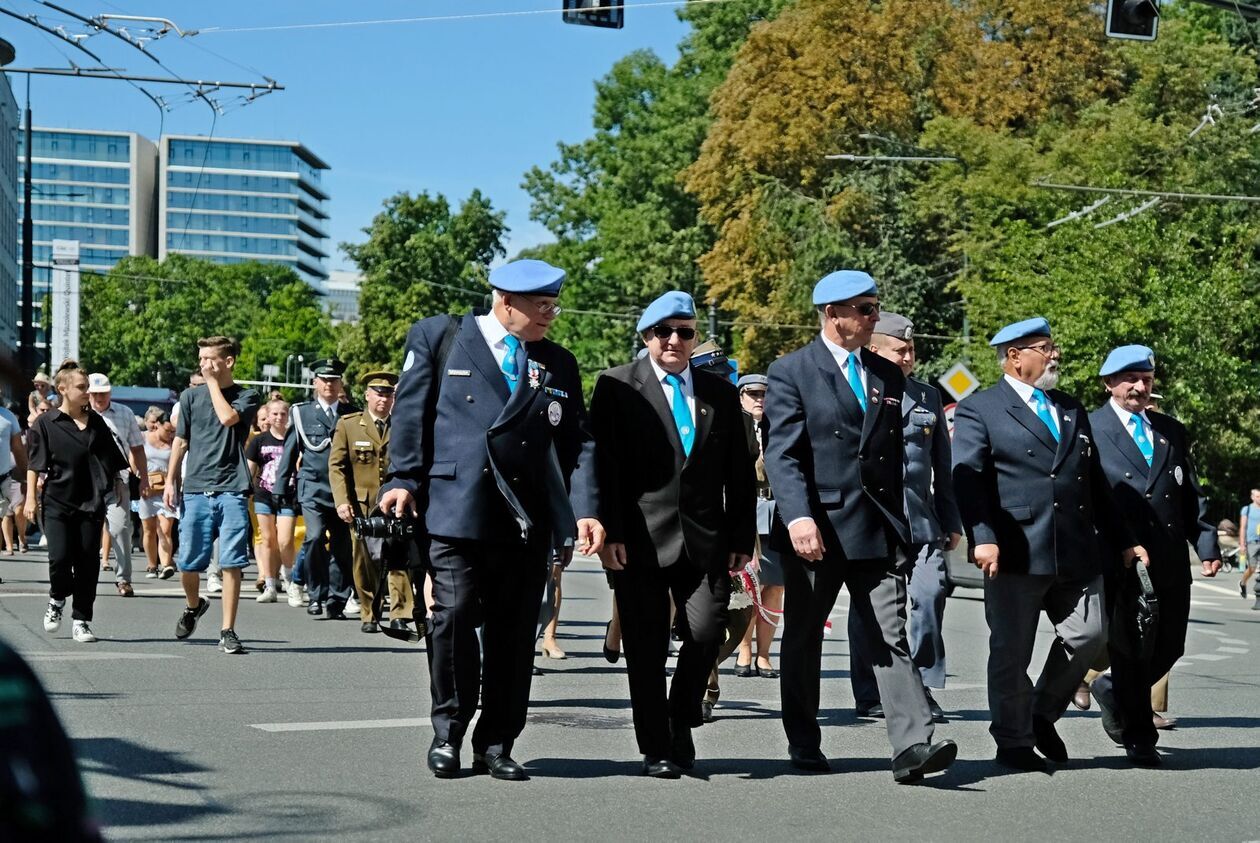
[(320, 731)]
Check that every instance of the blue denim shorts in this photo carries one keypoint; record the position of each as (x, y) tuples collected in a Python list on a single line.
[(206, 517), (262, 507)]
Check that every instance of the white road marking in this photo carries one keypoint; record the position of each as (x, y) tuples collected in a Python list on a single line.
[(1235, 650), (1232, 592), (1207, 657), (1232, 641), (98, 656), (338, 725), (1212, 632)]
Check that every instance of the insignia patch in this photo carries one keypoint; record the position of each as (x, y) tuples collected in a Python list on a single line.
[(363, 444), (1179, 475), (559, 393), (554, 413), (410, 361), (893, 401), (459, 373), (927, 430)]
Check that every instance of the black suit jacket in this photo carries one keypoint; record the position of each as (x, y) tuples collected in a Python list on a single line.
[(483, 462), (655, 500), (1044, 504), (829, 461), (309, 458), (1162, 503)]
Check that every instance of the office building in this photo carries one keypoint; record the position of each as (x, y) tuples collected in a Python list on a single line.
[(231, 200), (9, 219), (341, 295)]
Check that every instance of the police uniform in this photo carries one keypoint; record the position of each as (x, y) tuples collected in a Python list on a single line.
[(1160, 500), (931, 514), (326, 548), (357, 465), (486, 446)]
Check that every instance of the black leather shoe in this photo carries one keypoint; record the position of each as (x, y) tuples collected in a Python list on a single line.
[(745, 670), (500, 766), (399, 623), (336, 611), (1143, 755), (923, 759), (443, 759), (938, 713), (682, 750), (1105, 696), (369, 626), (660, 768), (1021, 758), (706, 711), (875, 711), (610, 655), (767, 672), (809, 760), (1048, 742), (315, 608), (536, 671)]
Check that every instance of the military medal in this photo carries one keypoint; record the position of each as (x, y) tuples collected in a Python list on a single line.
[(535, 376), (554, 412)]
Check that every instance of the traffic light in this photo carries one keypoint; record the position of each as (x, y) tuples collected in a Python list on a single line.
[(1137, 20), (610, 14)]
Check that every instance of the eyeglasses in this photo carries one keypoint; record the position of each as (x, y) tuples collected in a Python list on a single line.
[(663, 332), (755, 394), (866, 309), (1045, 349), (545, 308)]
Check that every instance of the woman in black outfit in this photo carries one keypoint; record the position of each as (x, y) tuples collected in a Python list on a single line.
[(75, 450)]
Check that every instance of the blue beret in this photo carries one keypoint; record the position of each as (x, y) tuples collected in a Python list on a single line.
[(672, 305), (1035, 327), (528, 276), (752, 380), (1128, 358), (843, 285)]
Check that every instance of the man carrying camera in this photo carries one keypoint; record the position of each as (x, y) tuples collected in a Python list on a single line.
[(356, 468)]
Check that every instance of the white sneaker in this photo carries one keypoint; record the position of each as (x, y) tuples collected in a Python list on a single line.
[(83, 633), (213, 583), (297, 595), (268, 596), (352, 606), (283, 586), (52, 618)]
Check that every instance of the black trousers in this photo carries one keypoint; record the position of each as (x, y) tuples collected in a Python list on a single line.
[(329, 577), (74, 551), (643, 603), (496, 586), (1133, 676)]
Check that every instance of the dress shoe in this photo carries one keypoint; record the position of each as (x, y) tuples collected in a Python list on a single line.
[(766, 672), (536, 671), (743, 671), (443, 759), (500, 766), (335, 611), (660, 768), (1081, 698), (706, 711), (1021, 758), (610, 655), (369, 626), (1143, 755), (1106, 697), (1162, 722), (923, 759), (315, 608), (809, 760), (552, 651), (875, 711), (682, 750), (938, 713), (1048, 741), (399, 623)]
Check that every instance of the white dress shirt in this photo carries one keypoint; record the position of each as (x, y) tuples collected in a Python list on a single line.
[(1025, 391), (688, 388), (1125, 417), (493, 332), (842, 354)]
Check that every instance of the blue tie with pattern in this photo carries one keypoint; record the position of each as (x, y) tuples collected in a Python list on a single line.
[(682, 414), (1043, 412), (511, 370), (1144, 443), (855, 380)]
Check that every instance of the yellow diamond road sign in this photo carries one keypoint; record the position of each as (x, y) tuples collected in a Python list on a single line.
[(959, 381)]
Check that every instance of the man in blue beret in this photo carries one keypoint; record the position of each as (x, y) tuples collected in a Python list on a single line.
[(1036, 507), (491, 451), (1146, 459), (834, 460), (677, 498)]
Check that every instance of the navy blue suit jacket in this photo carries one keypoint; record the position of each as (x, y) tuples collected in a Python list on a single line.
[(483, 462), (310, 463), (1046, 505), (1162, 503), (829, 461)]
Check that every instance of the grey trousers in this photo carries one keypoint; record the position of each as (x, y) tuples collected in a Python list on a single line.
[(1012, 606), (118, 522), (926, 592), (877, 596)]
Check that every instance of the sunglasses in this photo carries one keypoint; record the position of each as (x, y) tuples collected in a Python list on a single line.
[(867, 309), (663, 332)]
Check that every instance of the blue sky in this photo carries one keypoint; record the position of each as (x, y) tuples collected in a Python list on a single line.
[(443, 106)]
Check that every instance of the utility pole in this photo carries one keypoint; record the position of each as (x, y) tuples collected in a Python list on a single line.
[(26, 340)]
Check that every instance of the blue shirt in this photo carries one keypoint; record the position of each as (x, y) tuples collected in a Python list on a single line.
[(1252, 513), (9, 428)]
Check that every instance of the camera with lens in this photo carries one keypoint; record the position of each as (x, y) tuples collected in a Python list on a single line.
[(384, 527)]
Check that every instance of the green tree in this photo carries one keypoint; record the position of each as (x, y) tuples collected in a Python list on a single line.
[(419, 259)]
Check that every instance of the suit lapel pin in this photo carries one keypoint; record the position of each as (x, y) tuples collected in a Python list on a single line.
[(703, 411)]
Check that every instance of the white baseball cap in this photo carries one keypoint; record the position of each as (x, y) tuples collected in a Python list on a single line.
[(98, 382)]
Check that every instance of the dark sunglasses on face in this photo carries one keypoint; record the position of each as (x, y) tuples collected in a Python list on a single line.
[(662, 332), (867, 309)]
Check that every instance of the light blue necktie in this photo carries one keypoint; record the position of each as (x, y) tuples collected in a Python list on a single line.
[(1143, 441), (511, 369), (1043, 412), (682, 414), (855, 381)]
